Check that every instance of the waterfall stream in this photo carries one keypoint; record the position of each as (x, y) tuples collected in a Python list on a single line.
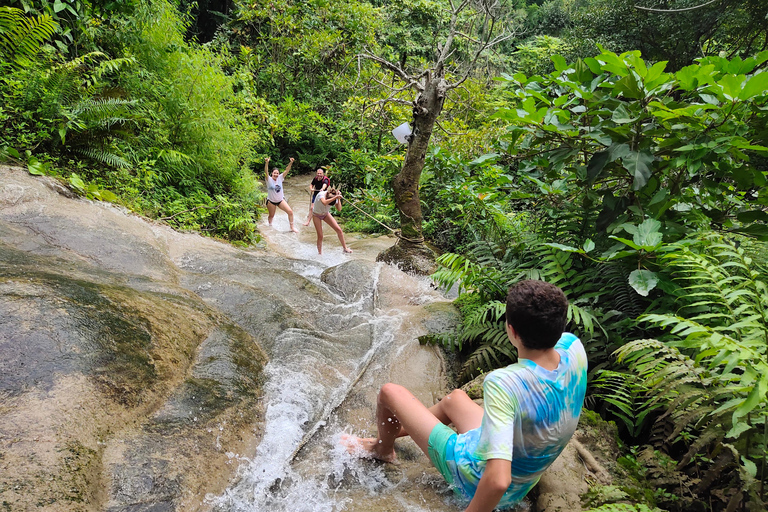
[(148, 369), (313, 375)]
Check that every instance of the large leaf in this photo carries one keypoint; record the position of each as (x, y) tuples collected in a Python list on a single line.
[(559, 62), (639, 164), (643, 281), (484, 158), (596, 165), (648, 235), (731, 85), (752, 216), (756, 86), (759, 231), (623, 116)]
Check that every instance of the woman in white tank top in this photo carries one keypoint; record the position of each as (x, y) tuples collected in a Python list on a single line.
[(275, 194)]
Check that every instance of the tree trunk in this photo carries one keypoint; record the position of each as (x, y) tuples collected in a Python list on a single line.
[(426, 109)]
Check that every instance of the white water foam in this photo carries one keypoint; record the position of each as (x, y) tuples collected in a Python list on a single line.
[(309, 375)]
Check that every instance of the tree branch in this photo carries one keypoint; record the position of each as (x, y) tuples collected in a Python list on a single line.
[(390, 100), (389, 65), (676, 10), (446, 131)]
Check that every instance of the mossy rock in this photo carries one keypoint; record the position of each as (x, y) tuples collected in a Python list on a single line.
[(411, 258)]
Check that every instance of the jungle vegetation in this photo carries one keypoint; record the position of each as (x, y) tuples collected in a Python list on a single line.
[(616, 148)]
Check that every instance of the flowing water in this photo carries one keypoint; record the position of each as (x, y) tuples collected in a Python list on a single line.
[(86, 417), (322, 382)]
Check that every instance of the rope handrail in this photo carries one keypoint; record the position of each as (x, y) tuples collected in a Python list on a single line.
[(398, 233)]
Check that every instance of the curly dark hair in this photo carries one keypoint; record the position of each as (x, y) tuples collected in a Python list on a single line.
[(537, 311)]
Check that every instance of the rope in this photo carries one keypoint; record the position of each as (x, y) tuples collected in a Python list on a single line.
[(372, 217), (396, 232)]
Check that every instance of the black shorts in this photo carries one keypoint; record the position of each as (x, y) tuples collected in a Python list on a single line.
[(275, 203)]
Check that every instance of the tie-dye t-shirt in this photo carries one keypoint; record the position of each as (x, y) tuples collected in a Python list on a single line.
[(530, 415)]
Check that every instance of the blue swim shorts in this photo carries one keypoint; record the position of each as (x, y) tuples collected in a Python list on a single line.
[(441, 442)]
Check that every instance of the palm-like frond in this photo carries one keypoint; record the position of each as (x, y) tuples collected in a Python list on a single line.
[(21, 36), (711, 377), (489, 271), (104, 156)]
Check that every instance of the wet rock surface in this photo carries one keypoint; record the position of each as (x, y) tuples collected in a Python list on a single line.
[(142, 369), (114, 379), (133, 357)]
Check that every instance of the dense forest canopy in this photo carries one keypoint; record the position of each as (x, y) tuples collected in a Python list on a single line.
[(617, 148)]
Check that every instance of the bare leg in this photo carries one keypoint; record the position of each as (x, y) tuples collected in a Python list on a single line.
[(396, 407), (271, 209), (287, 209), (335, 225), (319, 228), (458, 409)]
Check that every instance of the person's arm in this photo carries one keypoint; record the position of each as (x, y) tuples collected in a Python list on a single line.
[(492, 486), (266, 167), (338, 202), (288, 168), (326, 200), (326, 183)]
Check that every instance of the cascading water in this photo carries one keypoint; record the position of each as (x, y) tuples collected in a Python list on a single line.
[(299, 464), (141, 367)]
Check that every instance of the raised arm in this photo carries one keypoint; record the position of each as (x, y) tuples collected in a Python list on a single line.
[(338, 201), (266, 167), (492, 486), (328, 200), (288, 168)]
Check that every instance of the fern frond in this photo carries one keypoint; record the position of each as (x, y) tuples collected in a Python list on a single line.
[(102, 113), (21, 37), (173, 157), (485, 358), (106, 157)]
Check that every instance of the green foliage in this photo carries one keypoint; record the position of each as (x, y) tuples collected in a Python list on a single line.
[(705, 387), (640, 141), (467, 199), (483, 337), (625, 397), (624, 507), (300, 47), (489, 273), (534, 56), (649, 480), (21, 37), (677, 37)]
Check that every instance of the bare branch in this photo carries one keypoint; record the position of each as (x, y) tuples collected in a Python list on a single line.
[(676, 10), (390, 100), (481, 47), (389, 65), (395, 90), (446, 131), (468, 37)]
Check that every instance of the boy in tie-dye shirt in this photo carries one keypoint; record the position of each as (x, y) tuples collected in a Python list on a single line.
[(530, 409)]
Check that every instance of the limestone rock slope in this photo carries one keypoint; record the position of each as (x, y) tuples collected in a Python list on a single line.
[(115, 380)]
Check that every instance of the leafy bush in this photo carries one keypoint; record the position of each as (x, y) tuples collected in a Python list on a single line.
[(705, 387)]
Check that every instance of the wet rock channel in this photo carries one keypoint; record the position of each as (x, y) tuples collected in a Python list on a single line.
[(142, 369)]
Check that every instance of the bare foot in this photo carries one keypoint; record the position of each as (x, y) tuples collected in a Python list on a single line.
[(294, 229), (347, 250), (366, 448)]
